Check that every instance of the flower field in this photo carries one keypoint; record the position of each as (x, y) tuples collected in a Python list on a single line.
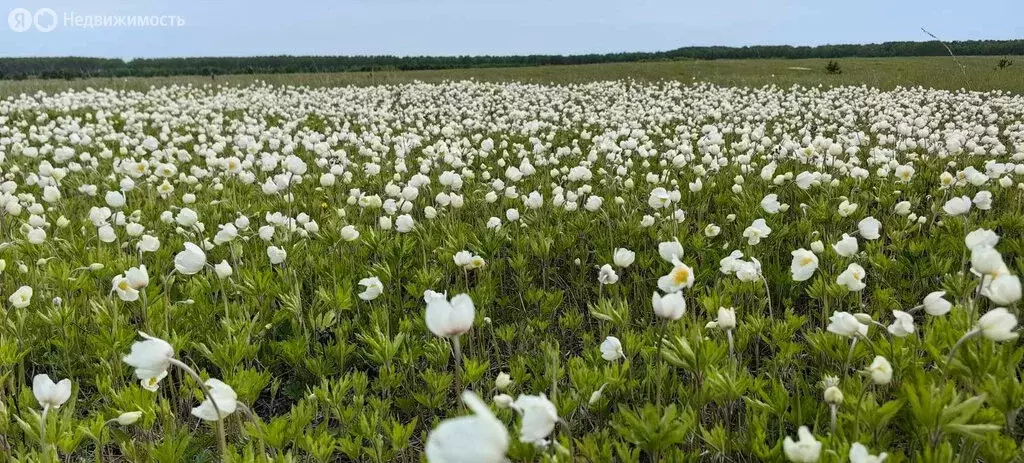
[(475, 272)]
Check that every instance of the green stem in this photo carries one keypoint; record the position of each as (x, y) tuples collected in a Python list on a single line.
[(221, 439), (42, 430), (658, 361)]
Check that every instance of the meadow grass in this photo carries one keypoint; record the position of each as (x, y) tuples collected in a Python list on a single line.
[(979, 73)]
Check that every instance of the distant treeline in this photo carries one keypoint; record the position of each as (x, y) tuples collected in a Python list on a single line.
[(74, 67)]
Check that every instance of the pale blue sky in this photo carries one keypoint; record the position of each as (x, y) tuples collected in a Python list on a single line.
[(498, 27)]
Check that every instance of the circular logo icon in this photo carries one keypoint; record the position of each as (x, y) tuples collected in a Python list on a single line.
[(20, 19), (45, 19)]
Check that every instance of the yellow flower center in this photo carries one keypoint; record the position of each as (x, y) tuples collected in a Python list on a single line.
[(806, 261), (680, 275)]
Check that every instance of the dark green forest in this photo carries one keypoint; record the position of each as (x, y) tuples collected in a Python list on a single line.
[(78, 67)]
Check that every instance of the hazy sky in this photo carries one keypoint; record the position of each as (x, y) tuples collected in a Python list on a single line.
[(497, 27)]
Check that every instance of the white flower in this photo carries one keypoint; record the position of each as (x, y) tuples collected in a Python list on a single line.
[(225, 398), (607, 276), (191, 260), (223, 269), (902, 208), (670, 250), (680, 277), (372, 287), (712, 230), (36, 236), (935, 304), (150, 357), (981, 238), (847, 246), (859, 454), (986, 260), (846, 208), (805, 450), (983, 200), (659, 198), (1004, 289), (623, 257), (478, 438), (186, 217), (845, 324), (50, 394), (726, 318), (21, 298), (957, 206), (114, 199), (128, 418), (880, 371), (148, 243), (449, 319), (503, 401), (225, 234), (349, 233), (868, 228), (503, 381), (804, 264), (833, 395), (757, 230), (770, 203), (998, 324), (903, 325), (404, 223), (731, 263), (852, 277), (539, 418), (748, 271), (611, 349), (276, 255), (463, 259), (124, 289), (671, 306)]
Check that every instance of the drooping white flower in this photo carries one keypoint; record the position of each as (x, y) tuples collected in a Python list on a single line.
[(670, 250), (372, 288), (880, 371), (539, 418), (477, 438), (998, 324), (869, 228), (150, 357), (226, 401), (936, 304), (276, 255), (957, 206), (903, 325), (981, 238), (611, 349), (191, 260), (847, 246), (845, 324)]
